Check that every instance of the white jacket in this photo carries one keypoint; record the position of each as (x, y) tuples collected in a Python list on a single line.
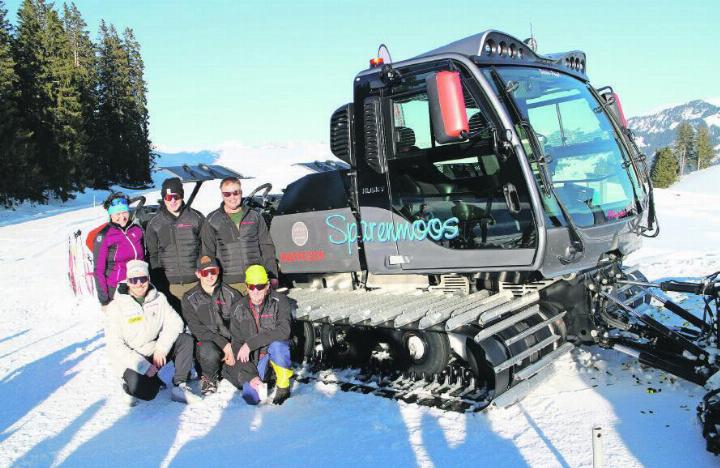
[(135, 332)]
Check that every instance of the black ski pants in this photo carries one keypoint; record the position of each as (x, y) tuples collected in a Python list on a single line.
[(147, 388), (210, 357)]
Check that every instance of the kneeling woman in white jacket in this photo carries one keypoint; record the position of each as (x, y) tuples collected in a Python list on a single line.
[(143, 333)]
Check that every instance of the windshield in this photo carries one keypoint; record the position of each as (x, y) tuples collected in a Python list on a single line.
[(588, 168)]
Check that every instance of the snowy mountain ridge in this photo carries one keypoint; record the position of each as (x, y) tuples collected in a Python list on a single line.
[(657, 130)]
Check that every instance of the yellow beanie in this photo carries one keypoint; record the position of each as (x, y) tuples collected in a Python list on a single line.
[(256, 274)]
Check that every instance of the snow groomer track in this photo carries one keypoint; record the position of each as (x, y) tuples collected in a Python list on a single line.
[(481, 375)]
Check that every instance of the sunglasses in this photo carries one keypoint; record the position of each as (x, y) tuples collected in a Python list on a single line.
[(172, 196), (230, 194), (138, 280), (258, 287), (209, 271), (119, 201)]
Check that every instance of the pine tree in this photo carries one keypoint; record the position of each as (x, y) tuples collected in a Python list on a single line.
[(664, 171), (27, 54), (684, 152), (12, 160), (83, 77), (705, 150), (138, 131), (112, 164), (50, 101)]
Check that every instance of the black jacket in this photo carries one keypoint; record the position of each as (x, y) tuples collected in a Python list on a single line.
[(173, 244), (274, 317), (237, 249), (208, 316)]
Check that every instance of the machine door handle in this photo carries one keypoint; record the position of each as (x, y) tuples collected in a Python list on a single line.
[(511, 198)]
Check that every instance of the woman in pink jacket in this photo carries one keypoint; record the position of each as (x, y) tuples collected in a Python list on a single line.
[(118, 243)]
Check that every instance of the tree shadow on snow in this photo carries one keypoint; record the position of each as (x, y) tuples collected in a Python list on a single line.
[(8, 338), (33, 383), (656, 418), (317, 429), (141, 437), (44, 453)]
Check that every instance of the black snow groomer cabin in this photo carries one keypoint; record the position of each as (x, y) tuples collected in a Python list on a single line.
[(478, 228)]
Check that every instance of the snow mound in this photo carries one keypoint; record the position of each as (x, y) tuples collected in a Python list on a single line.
[(705, 181)]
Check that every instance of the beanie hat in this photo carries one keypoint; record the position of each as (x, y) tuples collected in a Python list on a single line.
[(206, 261), (256, 274), (117, 202), (172, 185), (137, 268)]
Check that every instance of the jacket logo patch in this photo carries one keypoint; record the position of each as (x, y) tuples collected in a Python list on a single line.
[(247, 222), (184, 225), (220, 302), (135, 319)]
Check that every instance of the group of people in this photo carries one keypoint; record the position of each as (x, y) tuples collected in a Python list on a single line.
[(214, 277)]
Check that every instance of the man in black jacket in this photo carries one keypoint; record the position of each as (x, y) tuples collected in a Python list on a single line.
[(207, 308), (260, 330), (172, 239), (238, 237)]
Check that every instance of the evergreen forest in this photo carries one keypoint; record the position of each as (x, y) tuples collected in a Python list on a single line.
[(73, 111)]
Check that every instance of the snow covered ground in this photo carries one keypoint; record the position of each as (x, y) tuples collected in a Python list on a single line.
[(57, 407)]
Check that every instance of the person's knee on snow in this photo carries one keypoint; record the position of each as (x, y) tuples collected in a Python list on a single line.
[(279, 353)]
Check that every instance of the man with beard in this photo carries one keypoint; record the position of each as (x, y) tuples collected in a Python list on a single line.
[(238, 237)]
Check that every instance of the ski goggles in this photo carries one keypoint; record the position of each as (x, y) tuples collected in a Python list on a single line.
[(172, 196), (138, 280), (258, 287), (209, 271), (118, 205), (233, 193)]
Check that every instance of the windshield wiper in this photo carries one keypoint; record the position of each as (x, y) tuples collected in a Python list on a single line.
[(576, 250)]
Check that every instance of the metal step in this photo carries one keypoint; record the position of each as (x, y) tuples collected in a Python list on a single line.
[(546, 360), (437, 316), (515, 304), (422, 300), (507, 323), (467, 316), (448, 302), (524, 354), (520, 390), (533, 329)]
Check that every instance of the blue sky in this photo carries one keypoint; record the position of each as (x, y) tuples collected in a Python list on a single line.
[(273, 71)]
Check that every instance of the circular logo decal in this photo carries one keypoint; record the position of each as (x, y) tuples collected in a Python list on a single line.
[(299, 233)]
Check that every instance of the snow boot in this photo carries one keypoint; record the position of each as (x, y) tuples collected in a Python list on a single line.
[(182, 393), (281, 394), (208, 385)]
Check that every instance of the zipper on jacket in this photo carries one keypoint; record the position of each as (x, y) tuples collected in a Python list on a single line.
[(131, 244)]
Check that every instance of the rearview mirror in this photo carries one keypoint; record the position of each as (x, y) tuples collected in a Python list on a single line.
[(612, 102), (447, 107)]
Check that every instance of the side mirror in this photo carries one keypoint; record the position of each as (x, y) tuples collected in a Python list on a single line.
[(447, 107), (612, 102)]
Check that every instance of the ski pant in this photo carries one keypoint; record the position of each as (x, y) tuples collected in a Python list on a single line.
[(147, 388), (176, 293), (240, 375), (210, 358)]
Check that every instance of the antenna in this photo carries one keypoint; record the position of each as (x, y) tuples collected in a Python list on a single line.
[(530, 41), (384, 53)]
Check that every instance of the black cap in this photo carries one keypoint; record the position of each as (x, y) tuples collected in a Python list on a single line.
[(172, 185), (206, 261)]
